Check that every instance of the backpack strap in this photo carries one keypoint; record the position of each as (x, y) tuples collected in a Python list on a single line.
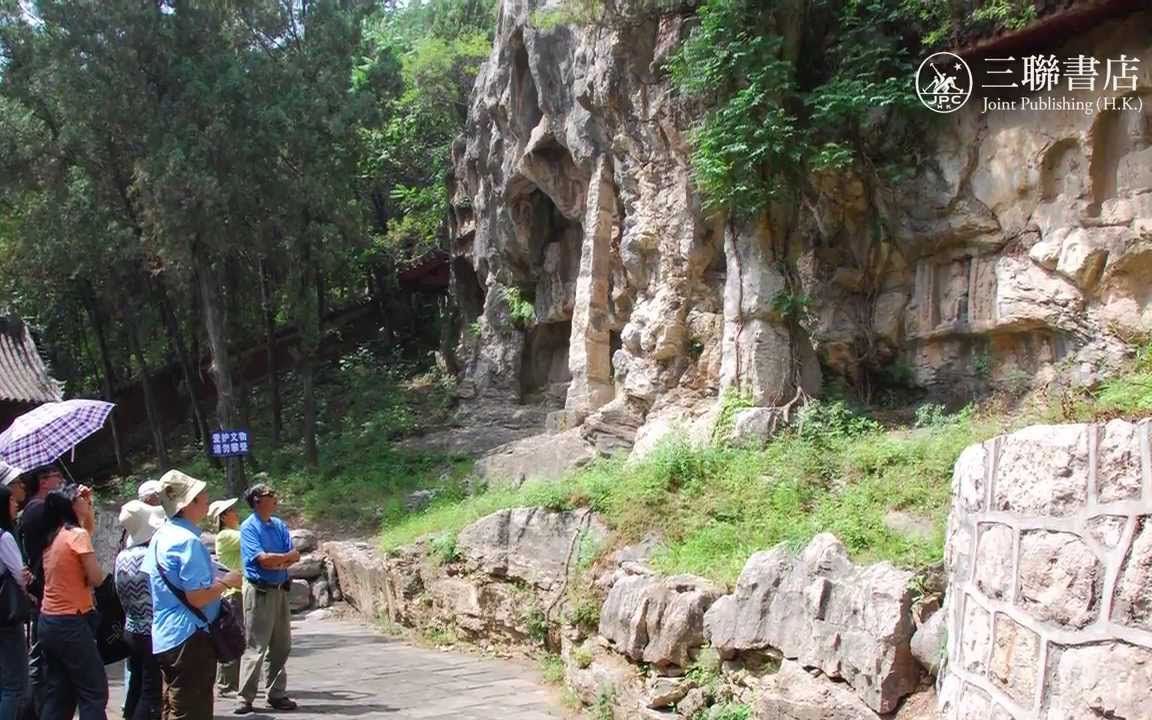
[(180, 594)]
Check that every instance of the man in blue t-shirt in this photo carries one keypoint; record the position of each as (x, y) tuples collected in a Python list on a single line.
[(266, 552)]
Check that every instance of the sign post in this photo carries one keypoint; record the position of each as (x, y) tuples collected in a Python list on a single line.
[(229, 443)]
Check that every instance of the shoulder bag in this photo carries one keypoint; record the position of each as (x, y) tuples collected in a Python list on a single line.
[(15, 605), (110, 631), (226, 630)]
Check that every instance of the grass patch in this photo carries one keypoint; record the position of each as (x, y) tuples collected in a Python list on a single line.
[(716, 506), (837, 470), (552, 669)]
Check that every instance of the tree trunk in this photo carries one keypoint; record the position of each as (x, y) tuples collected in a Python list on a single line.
[(308, 318), (269, 309), (176, 341), (106, 378), (155, 423), (216, 326), (307, 377)]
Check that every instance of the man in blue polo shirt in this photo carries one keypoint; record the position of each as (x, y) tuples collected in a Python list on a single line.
[(266, 552)]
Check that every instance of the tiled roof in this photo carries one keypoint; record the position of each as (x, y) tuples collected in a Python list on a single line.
[(23, 375)]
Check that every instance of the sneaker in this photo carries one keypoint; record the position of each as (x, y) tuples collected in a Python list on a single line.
[(282, 704), (226, 693), (242, 709)]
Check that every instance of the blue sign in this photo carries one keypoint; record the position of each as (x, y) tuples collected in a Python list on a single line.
[(229, 443)]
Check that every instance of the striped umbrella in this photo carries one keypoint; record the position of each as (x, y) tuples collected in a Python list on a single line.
[(40, 436)]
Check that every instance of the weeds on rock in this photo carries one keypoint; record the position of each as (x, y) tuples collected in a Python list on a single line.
[(605, 707), (729, 711), (582, 656), (444, 549)]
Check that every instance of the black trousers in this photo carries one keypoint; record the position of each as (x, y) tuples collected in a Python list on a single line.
[(147, 686)]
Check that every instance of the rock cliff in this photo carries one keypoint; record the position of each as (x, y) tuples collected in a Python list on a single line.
[(1017, 255)]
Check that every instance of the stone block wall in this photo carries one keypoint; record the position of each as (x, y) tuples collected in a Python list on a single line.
[(1049, 559)]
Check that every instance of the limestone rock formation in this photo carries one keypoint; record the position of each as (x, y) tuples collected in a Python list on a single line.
[(532, 545), (656, 619), (794, 694), (819, 609), (542, 457), (1017, 255)]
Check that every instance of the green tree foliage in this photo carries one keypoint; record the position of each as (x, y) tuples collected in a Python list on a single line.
[(795, 87), (176, 175), (440, 45)]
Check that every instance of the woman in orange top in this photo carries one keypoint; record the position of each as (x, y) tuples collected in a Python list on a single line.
[(73, 670)]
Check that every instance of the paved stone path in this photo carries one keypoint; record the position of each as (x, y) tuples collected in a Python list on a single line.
[(343, 669)]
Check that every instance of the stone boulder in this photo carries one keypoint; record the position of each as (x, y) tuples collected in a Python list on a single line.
[(541, 457), (853, 623), (321, 594), (303, 540), (533, 545), (376, 586), (794, 694), (602, 674), (308, 567), (928, 642), (755, 426), (665, 692), (300, 596), (656, 619)]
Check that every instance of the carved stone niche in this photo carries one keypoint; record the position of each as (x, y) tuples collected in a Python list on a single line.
[(955, 295)]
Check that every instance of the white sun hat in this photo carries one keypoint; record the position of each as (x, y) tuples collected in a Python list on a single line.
[(141, 520)]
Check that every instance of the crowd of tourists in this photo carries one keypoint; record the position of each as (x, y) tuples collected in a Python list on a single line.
[(194, 626)]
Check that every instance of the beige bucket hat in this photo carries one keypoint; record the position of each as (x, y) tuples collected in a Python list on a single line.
[(178, 490), (141, 521)]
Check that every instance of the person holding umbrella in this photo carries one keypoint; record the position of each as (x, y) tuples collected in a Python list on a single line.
[(34, 530)]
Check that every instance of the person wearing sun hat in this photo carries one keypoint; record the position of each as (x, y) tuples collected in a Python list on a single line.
[(222, 515), (178, 557), (149, 492), (140, 522)]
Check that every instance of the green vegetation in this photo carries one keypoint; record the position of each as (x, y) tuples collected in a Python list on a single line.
[(604, 709), (374, 400), (729, 711), (836, 470), (213, 174), (1130, 393), (715, 506), (582, 656), (776, 117), (731, 402), (520, 308), (552, 668)]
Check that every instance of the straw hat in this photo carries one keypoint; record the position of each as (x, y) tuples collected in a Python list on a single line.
[(147, 489), (141, 520), (177, 491), (219, 507)]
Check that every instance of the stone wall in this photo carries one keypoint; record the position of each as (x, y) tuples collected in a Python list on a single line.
[(1050, 576)]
